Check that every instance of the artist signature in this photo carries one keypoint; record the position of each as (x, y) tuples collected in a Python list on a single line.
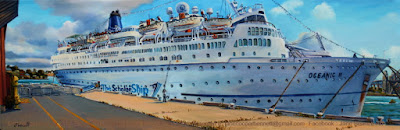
[(17, 124)]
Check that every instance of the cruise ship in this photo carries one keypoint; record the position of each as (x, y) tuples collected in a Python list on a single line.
[(239, 59)]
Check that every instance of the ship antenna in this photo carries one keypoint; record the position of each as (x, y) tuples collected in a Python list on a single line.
[(309, 29)]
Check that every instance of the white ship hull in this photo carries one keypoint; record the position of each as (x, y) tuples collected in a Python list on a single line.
[(243, 81)]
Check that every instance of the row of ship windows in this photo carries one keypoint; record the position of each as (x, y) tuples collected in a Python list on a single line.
[(197, 46), (201, 68), (262, 31), (249, 42), (259, 101)]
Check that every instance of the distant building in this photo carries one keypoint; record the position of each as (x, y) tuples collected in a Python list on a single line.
[(387, 87)]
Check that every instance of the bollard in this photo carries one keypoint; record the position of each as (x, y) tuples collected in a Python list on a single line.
[(380, 120)]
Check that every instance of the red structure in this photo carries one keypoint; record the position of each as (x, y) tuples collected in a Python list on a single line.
[(8, 11)]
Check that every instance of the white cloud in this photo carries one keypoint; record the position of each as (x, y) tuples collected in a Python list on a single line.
[(289, 5), (324, 11), (366, 53), (393, 52), (89, 13)]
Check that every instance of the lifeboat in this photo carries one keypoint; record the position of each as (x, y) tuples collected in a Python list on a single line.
[(150, 26), (184, 24), (217, 23)]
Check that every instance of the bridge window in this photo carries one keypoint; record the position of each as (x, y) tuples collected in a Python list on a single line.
[(223, 44), (269, 42), (244, 42), (252, 31), (235, 45), (256, 31), (250, 42), (240, 42), (259, 42), (208, 45), (255, 42), (261, 31), (249, 31), (234, 53)]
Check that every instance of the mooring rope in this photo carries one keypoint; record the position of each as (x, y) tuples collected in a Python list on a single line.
[(294, 76), (347, 81)]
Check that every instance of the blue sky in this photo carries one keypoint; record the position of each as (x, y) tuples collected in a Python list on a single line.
[(370, 27)]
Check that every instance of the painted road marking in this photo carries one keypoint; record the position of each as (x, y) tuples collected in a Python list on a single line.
[(95, 127), (51, 117)]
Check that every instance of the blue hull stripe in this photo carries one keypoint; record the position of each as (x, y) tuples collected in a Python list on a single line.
[(254, 96)]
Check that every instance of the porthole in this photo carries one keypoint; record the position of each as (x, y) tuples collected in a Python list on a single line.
[(223, 67), (245, 101), (316, 80), (310, 100), (301, 100), (193, 84), (168, 68), (261, 80), (269, 101), (123, 70), (258, 67), (172, 86), (240, 81), (186, 67), (222, 100), (217, 82), (249, 67), (198, 99), (306, 80), (320, 100), (206, 83), (142, 69), (254, 53), (294, 67), (175, 68), (313, 67), (184, 98), (180, 85), (272, 67), (291, 100), (211, 99), (258, 101), (282, 67), (298, 81), (228, 82), (194, 56), (162, 69), (274, 80), (251, 80), (234, 67), (281, 100), (323, 67), (212, 67), (286, 80), (175, 97), (234, 100), (154, 69)]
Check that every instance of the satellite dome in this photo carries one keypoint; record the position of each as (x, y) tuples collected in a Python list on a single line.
[(182, 7), (210, 11), (195, 10), (169, 10)]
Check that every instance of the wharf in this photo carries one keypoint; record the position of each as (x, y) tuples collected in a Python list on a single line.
[(221, 118)]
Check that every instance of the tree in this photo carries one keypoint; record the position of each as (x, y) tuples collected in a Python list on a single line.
[(29, 71)]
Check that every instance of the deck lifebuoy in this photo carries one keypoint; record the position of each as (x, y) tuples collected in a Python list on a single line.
[(214, 36)]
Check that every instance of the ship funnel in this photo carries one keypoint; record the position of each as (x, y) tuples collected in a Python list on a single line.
[(114, 22), (195, 10)]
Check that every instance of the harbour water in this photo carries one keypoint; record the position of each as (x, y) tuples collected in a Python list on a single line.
[(50, 79), (379, 106)]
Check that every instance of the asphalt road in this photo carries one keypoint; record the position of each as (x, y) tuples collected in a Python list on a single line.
[(72, 112)]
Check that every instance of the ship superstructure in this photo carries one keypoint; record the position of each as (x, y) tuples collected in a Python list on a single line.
[(241, 59)]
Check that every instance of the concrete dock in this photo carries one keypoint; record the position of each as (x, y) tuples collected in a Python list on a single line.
[(73, 112), (221, 118)]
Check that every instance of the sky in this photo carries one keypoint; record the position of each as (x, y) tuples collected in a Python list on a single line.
[(369, 27)]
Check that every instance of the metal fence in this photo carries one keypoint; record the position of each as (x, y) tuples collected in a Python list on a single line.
[(47, 90)]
